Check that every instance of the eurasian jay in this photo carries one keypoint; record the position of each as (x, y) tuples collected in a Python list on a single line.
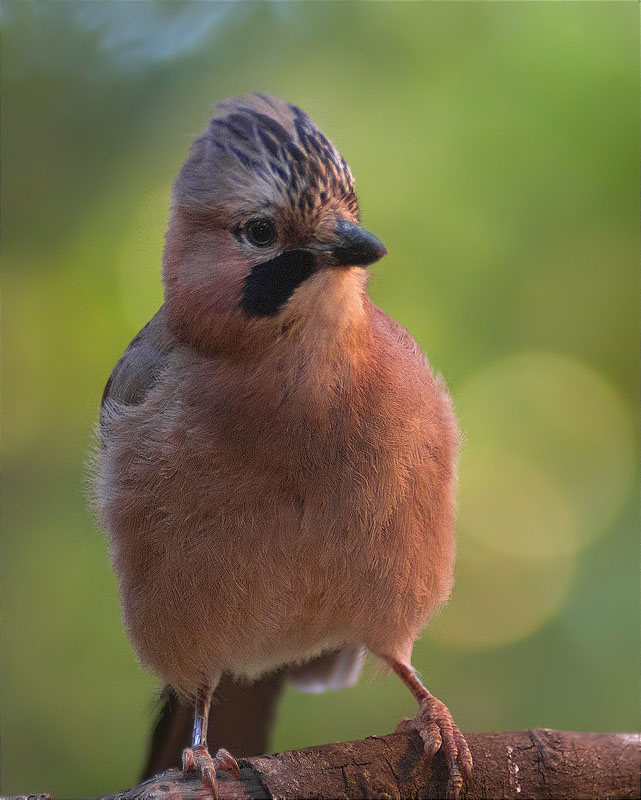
[(277, 468)]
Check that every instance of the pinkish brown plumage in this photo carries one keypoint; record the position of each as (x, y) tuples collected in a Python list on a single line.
[(277, 470)]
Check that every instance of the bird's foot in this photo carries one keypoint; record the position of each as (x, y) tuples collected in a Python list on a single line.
[(438, 731), (198, 758)]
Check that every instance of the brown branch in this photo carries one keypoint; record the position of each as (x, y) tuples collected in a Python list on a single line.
[(538, 763)]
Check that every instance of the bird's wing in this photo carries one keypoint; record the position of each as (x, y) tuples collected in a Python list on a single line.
[(139, 369), (336, 670)]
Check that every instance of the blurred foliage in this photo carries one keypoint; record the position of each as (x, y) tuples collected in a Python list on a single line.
[(496, 152)]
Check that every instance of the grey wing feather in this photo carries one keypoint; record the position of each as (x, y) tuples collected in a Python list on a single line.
[(139, 369)]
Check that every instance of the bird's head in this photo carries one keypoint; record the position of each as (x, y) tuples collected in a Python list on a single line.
[(264, 234)]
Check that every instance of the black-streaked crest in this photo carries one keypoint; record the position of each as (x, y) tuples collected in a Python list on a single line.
[(258, 146)]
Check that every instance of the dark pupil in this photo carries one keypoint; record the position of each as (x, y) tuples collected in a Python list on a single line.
[(261, 232)]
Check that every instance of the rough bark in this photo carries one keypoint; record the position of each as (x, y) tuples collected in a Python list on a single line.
[(537, 763)]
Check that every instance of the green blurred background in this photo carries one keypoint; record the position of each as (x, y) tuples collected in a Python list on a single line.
[(496, 151)]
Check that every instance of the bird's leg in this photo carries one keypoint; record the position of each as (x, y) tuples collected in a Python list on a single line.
[(437, 729), (197, 756)]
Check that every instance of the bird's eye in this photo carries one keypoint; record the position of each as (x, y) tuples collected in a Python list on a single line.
[(261, 232)]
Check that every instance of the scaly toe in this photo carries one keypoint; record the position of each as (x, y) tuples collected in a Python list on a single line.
[(405, 726), (438, 731), (432, 738), (454, 786), (464, 755), (188, 760), (227, 763), (199, 759)]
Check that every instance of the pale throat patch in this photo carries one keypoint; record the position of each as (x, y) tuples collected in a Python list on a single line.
[(329, 300)]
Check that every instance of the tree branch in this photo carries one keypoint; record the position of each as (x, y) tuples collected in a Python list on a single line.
[(537, 763)]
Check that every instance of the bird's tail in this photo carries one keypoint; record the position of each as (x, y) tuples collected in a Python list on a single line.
[(336, 670)]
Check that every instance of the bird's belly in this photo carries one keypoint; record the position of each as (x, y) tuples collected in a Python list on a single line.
[(230, 570), (246, 603), (281, 652), (184, 626)]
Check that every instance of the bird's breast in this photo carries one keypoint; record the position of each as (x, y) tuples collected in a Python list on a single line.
[(263, 516)]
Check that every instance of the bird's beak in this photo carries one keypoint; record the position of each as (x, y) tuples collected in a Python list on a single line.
[(351, 246)]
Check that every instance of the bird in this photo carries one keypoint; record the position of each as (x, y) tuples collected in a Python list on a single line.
[(276, 466)]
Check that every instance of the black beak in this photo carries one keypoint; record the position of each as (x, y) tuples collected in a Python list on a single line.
[(352, 246)]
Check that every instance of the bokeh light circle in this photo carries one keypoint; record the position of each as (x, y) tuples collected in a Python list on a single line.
[(549, 455), (500, 599), (547, 463), (512, 505)]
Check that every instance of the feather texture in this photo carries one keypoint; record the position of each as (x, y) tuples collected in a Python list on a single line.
[(276, 486)]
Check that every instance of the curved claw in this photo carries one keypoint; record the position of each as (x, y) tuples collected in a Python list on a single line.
[(199, 759), (438, 731), (188, 761), (227, 763), (464, 756)]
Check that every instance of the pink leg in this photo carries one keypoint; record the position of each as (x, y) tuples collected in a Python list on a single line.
[(437, 729), (197, 756)]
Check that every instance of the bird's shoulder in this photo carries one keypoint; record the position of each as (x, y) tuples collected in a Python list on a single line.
[(397, 338), (140, 366), (417, 380)]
